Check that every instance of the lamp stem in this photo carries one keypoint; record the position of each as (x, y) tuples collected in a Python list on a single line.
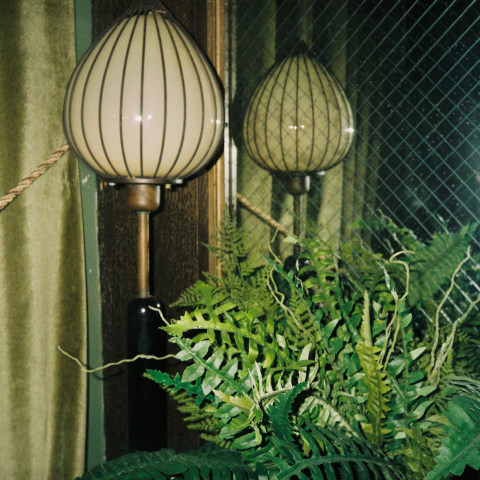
[(297, 186), (143, 198), (143, 334), (143, 219), (297, 225)]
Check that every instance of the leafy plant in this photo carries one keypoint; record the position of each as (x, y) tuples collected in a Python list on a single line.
[(311, 372), (462, 445), (209, 462), (431, 267)]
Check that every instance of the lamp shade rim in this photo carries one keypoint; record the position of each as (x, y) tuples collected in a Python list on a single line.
[(144, 181)]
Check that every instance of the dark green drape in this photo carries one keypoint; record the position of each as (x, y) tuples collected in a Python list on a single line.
[(42, 293)]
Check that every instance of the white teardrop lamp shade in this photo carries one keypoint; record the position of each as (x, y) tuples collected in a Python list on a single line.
[(299, 120), (144, 105)]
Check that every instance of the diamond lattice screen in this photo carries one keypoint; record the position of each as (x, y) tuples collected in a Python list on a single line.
[(410, 71)]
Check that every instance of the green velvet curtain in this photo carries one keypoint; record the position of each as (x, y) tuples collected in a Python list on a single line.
[(42, 273)]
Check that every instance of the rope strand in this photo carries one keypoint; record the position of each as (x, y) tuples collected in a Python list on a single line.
[(267, 218), (26, 182)]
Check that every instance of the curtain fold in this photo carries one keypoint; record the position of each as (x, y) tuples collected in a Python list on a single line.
[(42, 277)]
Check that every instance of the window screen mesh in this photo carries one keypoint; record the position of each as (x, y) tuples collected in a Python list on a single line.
[(410, 70)]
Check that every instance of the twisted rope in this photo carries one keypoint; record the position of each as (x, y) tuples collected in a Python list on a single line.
[(26, 182), (267, 218)]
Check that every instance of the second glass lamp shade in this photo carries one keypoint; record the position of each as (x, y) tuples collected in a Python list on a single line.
[(299, 119), (143, 104)]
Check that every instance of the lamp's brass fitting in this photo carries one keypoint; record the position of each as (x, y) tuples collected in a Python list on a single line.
[(142, 197)]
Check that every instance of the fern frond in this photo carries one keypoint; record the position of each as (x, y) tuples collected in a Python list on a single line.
[(209, 368), (299, 314), (176, 383), (201, 294), (433, 265), (462, 445), (230, 239), (466, 354), (240, 277), (279, 413), (243, 331), (208, 462), (332, 455), (320, 263), (195, 417), (374, 379)]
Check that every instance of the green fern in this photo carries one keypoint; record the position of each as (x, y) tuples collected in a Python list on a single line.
[(331, 454), (208, 462), (312, 451), (306, 358), (197, 417), (320, 263), (239, 332), (240, 278), (280, 411), (192, 389), (462, 445), (299, 317), (209, 367), (208, 296), (433, 265), (314, 372), (374, 379), (356, 367), (430, 265)]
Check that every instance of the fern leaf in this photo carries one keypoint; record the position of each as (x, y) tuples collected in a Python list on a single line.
[(299, 313), (462, 446), (187, 323), (327, 414), (373, 379), (279, 413), (192, 389), (202, 294), (433, 265), (235, 329), (196, 417), (350, 458), (209, 462), (215, 375)]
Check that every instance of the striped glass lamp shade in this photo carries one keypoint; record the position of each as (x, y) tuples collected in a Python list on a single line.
[(143, 104), (298, 120)]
